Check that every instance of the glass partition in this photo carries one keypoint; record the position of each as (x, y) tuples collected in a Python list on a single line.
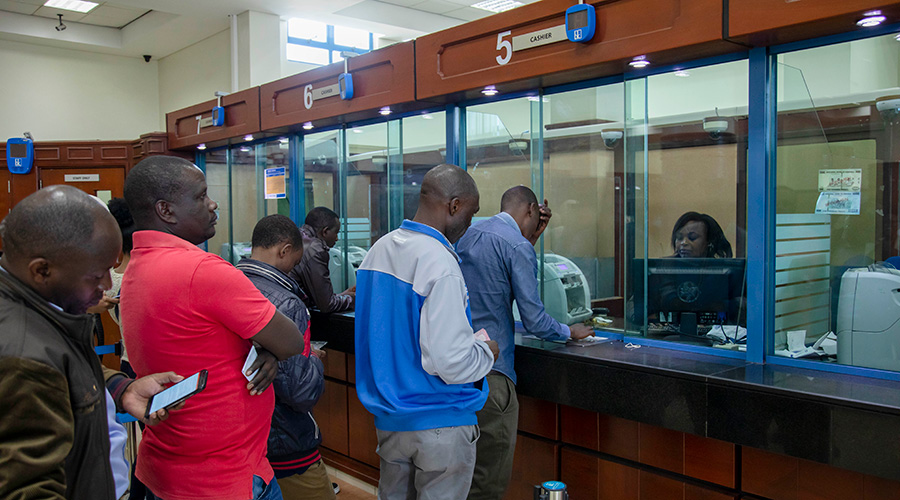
[(583, 185), (686, 157), (836, 204), (218, 182), (424, 146)]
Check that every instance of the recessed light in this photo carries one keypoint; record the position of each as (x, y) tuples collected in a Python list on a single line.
[(497, 5), (245, 149), (870, 19), (683, 73), (639, 62), (384, 111), (73, 5), (490, 90), (248, 137), (201, 146), (308, 126)]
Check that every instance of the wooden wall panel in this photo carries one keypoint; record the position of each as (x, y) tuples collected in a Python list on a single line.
[(770, 22), (667, 31), (241, 118), (384, 77), (331, 413), (535, 461), (335, 364), (362, 438), (538, 417)]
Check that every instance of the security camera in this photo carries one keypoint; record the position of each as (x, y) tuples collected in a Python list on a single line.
[(715, 126), (611, 137), (60, 26), (147, 57), (888, 106)]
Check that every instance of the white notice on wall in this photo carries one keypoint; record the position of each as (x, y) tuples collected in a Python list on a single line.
[(838, 202), (82, 178), (848, 179)]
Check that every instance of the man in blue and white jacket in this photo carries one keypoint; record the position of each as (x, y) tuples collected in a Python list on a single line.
[(419, 367)]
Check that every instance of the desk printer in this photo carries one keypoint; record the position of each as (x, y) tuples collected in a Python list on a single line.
[(355, 256), (567, 297), (868, 318)]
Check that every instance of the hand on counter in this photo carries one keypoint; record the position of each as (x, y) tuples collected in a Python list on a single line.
[(579, 331)]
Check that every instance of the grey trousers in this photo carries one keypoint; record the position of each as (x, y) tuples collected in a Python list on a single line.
[(498, 421), (434, 464)]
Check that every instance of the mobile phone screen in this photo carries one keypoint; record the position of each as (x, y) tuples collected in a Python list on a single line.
[(175, 393)]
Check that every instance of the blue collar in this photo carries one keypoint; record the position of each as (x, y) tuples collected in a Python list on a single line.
[(505, 217), (418, 227)]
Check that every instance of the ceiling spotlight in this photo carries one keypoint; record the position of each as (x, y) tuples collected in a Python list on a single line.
[(61, 26), (384, 111), (871, 18), (639, 62), (308, 126), (490, 91), (248, 137), (683, 73), (201, 146)]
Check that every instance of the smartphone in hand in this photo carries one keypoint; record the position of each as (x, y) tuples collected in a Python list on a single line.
[(177, 393)]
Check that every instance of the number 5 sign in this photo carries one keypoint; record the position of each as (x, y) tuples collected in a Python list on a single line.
[(504, 45)]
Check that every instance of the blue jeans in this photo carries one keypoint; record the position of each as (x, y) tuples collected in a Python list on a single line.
[(261, 490)]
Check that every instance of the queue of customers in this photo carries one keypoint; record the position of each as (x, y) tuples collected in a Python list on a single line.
[(434, 343)]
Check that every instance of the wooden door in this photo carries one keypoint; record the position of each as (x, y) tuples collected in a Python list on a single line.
[(101, 182)]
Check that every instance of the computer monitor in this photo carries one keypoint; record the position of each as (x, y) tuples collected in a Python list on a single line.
[(690, 292)]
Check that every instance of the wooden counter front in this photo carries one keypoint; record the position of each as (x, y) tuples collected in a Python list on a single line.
[(385, 77), (241, 118), (771, 22), (465, 57)]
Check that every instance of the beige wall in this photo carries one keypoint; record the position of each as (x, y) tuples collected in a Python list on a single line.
[(193, 75), (64, 95)]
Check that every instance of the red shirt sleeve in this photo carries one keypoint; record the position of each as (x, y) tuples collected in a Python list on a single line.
[(224, 295)]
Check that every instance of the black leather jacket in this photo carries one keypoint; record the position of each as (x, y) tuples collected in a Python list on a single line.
[(54, 437)]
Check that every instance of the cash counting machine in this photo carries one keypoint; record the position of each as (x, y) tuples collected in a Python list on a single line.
[(567, 297), (355, 256), (868, 318)]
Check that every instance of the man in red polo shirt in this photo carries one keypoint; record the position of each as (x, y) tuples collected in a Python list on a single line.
[(189, 310)]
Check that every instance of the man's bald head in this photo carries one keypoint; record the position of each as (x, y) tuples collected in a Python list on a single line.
[(61, 243), (53, 222), (516, 198), (153, 179), (444, 182), (448, 200)]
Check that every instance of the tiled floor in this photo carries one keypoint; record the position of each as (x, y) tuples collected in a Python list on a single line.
[(352, 488)]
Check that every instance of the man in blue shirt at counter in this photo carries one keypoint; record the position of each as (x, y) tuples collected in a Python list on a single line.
[(499, 265)]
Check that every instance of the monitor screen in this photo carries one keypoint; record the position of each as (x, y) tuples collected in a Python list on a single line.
[(562, 267), (712, 288), (18, 150), (578, 20)]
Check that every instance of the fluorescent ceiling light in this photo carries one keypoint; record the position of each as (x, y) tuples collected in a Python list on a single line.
[(76, 5), (497, 5)]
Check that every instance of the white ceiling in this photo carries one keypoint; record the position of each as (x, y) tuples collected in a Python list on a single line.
[(161, 27)]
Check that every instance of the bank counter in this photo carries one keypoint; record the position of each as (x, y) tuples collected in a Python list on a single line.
[(779, 120), (616, 420)]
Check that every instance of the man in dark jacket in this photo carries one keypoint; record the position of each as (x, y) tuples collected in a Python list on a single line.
[(294, 437), (59, 245), (320, 233)]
